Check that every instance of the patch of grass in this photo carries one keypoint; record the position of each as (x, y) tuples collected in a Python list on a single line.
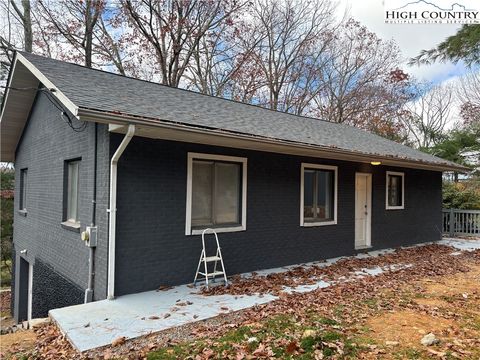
[(449, 299), (331, 336), (420, 296), (476, 324), (328, 352), (372, 302), (409, 354), (327, 321), (309, 342), (237, 335), (339, 310), (163, 354), (351, 348), (363, 329)]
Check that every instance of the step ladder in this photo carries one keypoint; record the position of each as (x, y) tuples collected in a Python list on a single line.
[(207, 259)]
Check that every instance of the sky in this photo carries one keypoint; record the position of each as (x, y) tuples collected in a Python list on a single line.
[(411, 38)]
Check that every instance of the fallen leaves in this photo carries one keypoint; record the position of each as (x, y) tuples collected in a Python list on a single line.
[(119, 341), (164, 288), (292, 348), (342, 306), (398, 261)]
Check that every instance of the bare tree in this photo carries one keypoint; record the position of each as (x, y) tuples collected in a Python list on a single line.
[(468, 93), (18, 20), (175, 28), (357, 75), (290, 32), (110, 48), (74, 22), (427, 115), (223, 61)]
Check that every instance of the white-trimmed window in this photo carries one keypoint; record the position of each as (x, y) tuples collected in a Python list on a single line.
[(23, 189), (73, 177), (395, 190), (216, 193), (318, 195)]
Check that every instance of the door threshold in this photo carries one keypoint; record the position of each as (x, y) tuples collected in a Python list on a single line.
[(363, 247)]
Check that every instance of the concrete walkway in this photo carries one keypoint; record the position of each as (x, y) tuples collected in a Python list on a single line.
[(96, 324)]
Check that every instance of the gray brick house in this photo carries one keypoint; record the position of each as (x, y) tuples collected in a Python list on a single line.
[(142, 168)]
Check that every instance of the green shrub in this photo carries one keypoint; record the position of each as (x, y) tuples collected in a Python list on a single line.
[(6, 223), (462, 195)]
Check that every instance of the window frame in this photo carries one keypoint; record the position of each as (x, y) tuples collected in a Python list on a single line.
[(402, 175), (333, 168), (66, 199), (242, 161), (22, 205)]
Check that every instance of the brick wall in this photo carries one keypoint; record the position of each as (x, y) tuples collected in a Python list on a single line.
[(46, 143), (153, 250)]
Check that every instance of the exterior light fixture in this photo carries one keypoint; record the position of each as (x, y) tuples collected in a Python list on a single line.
[(375, 163)]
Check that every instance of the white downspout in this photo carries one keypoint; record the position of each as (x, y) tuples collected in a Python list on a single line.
[(113, 211)]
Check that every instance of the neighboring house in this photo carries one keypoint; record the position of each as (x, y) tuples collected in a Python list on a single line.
[(280, 189)]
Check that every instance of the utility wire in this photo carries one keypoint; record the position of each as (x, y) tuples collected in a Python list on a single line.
[(53, 100)]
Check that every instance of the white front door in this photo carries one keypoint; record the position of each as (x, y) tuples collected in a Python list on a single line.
[(363, 205)]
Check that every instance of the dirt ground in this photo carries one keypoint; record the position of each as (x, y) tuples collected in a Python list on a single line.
[(382, 317), (17, 342), (449, 307), (407, 327)]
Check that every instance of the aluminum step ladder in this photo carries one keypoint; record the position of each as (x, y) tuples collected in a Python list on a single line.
[(207, 259)]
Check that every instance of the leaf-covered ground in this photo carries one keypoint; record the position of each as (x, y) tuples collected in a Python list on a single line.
[(384, 316)]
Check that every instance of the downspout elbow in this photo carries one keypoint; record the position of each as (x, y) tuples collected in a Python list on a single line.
[(123, 145)]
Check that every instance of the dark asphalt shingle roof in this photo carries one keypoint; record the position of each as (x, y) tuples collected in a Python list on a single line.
[(100, 90)]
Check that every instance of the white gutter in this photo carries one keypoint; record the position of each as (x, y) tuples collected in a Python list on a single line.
[(105, 118), (113, 211)]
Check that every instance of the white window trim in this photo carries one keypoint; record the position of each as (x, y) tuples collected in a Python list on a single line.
[(188, 218), (402, 175), (71, 221), (335, 195), (23, 189)]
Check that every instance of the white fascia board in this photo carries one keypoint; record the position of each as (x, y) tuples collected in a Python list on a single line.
[(65, 101), (7, 90)]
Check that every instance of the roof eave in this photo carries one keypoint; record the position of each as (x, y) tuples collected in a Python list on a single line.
[(278, 144), (23, 81)]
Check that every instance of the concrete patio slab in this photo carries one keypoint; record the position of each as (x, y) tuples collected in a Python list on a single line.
[(460, 244), (97, 324)]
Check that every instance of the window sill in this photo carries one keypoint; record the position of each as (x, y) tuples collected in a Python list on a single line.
[(323, 223), (395, 208), (22, 212), (72, 226), (219, 230)]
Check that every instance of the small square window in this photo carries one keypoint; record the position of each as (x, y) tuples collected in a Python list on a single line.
[(395, 189), (23, 189), (72, 174)]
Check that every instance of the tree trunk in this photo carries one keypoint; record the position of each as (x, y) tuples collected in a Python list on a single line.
[(27, 25), (88, 34)]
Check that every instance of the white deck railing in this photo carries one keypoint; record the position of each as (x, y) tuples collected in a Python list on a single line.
[(461, 222)]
